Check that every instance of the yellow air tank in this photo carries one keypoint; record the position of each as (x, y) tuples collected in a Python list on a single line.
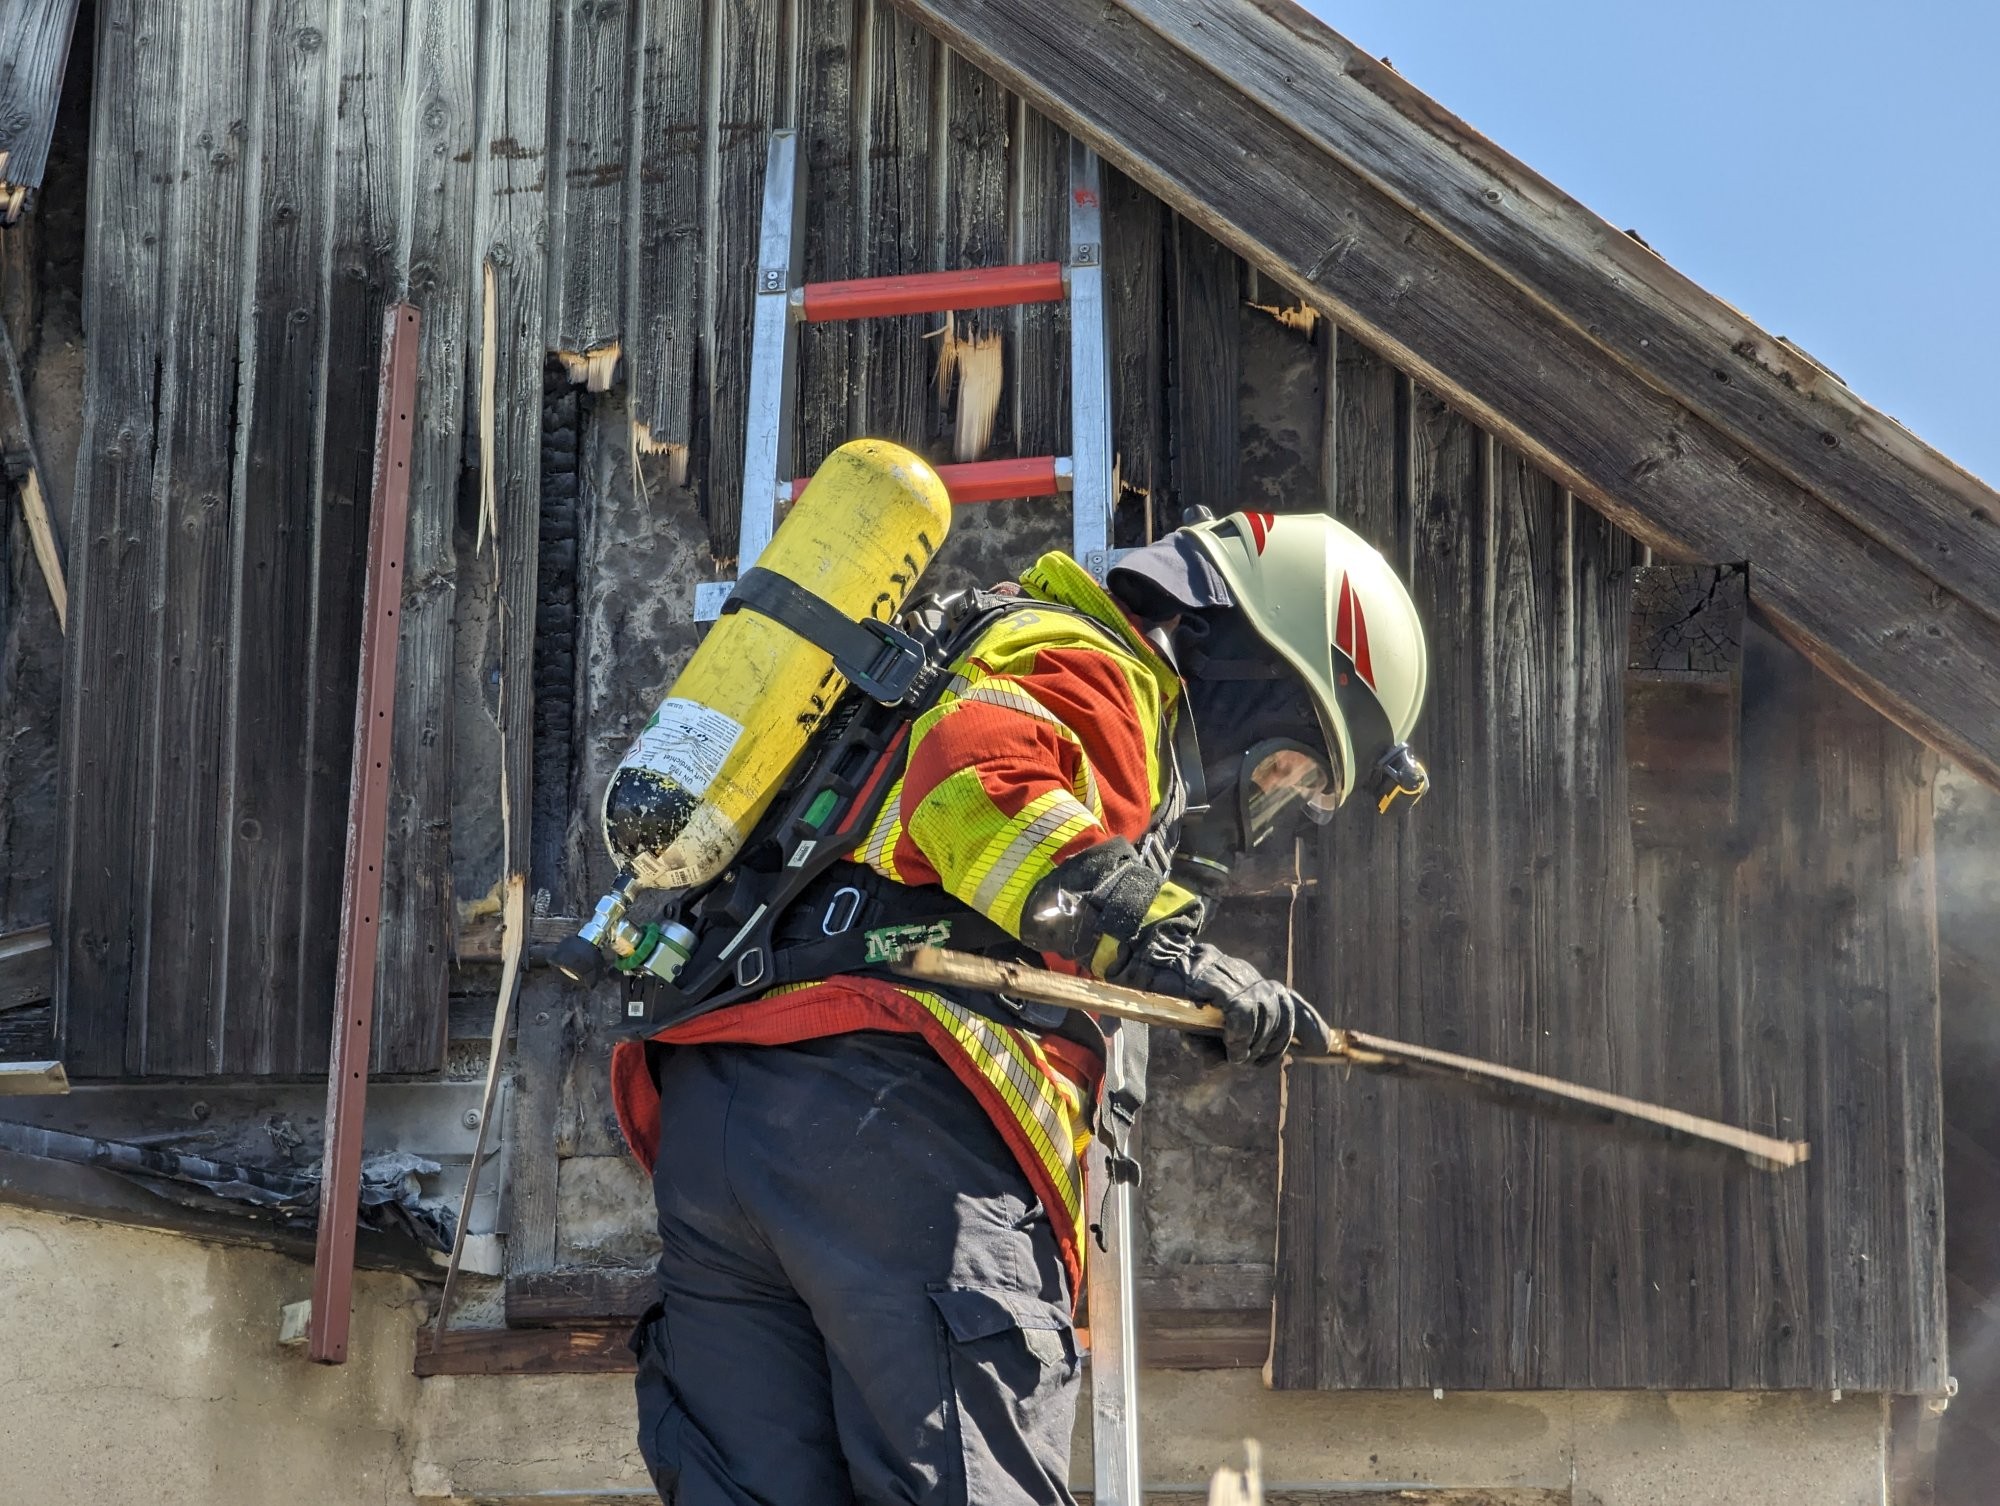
[(701, 773)]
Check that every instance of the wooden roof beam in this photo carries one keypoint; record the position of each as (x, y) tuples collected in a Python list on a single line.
[(1898, 635), (1669, 332)]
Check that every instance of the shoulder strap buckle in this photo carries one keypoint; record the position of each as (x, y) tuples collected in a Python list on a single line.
[(878, 659)]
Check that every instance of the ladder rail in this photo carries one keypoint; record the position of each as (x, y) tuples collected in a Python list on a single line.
[(767, 441), (1114, 1317), (1090, 367)]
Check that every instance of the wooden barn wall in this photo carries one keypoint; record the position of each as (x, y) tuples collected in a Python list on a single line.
[(1783, 976), (595, 201), (265, 179)]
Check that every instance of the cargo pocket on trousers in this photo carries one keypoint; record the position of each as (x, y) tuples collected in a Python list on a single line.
[(659, 1409), (1011, 1365)]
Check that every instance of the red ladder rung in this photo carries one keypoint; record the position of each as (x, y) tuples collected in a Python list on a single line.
[(993, 480), (930, 292)]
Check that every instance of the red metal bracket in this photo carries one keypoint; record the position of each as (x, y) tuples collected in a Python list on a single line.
[(931, 292), (367, 828), (993, 480)]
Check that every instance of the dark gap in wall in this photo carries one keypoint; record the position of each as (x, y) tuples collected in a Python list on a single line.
[(564, 409)]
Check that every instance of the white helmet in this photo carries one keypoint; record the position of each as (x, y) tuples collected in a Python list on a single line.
[(1330, 606)]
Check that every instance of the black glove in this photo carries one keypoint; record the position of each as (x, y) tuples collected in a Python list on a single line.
[(1260, 1018)]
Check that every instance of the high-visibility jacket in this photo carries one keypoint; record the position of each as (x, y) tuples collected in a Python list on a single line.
[(1049, 740)]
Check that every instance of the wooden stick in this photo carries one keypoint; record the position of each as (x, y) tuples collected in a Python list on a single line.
[(514, 940), (1352, 1047), (15, 436)]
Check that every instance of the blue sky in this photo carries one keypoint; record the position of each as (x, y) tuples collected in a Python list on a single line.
[(1829, 168)]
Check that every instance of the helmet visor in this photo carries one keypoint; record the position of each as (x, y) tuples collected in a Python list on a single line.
[(1284, 782)]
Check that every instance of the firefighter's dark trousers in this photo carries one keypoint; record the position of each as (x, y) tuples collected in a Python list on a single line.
[(861, 1299)]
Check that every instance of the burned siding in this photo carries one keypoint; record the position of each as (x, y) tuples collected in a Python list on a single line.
[(1778, 973)]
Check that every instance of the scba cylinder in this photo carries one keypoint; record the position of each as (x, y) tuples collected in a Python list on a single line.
[(701, 772)]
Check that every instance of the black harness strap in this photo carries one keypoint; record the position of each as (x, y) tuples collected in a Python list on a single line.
[(883, 662)]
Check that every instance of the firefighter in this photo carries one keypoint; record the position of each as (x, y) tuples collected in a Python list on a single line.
[(870, 1198)]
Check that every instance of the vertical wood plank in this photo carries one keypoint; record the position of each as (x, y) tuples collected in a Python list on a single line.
[(1340, 1274), (359, 276), (1282, 414), (1589, 1253), (1445, 1164), (596, 126), (1862, 1164), (746, 100), (667, 228), (34, 47), (439, 127), (513, 214), (1040, 208), (194, 485), (106, 756), (896, 224), (543, 1045), (1777, 1334), (829, 56), (271, 1021), (1517, 913), (1135, 232), (1207, 368), (972, 415), (1911, 985)]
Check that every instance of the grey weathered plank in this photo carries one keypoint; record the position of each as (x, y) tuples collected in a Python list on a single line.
[(1040, 217), (541, 1046), (1775, 1300), (1340, 1277), (1446, 1165), (1279, 467), (1135, 239), (1668, 332), (594, 132), (897, 213), (829, 399), (1912, 968), (1207, 368), (34, 52), (1870, 618), (194, 485), (972, 232), (439, 142), (272, 1026), (513, 220), (359, 245), (1515, 831), (1590, 1252), (746, 101), (667, 222)]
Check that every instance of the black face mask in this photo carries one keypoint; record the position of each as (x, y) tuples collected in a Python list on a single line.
[(1263, 756)]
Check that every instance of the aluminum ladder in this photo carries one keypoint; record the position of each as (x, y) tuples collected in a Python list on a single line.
[(783, 303)]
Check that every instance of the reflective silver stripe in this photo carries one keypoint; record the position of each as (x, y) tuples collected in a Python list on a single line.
[(887, 824), (1064, 808)]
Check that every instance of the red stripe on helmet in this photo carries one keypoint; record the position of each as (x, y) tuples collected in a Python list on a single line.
[(1350, 633), (1260, 527), (1363, 666)]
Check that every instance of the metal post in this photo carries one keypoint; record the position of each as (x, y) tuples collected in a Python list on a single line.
[(1089, 367), (767, 441), (367, 830), (1114, 1317)]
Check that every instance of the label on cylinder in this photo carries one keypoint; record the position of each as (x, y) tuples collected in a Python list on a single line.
[(686, 741)]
